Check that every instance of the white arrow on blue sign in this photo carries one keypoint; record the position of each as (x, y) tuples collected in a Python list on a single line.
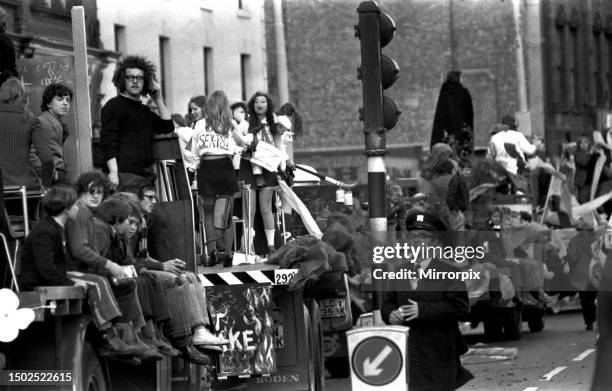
[(377, 361)]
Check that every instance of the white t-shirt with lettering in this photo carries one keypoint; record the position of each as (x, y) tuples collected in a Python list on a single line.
[(208, 142), (498, 150)]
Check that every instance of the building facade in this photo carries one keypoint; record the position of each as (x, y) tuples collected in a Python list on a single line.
[(578, 66), (43, 28), (198, 46), (547, 61)]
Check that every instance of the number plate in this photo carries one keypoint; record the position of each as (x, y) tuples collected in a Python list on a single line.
[(283, 276), (332, 308)]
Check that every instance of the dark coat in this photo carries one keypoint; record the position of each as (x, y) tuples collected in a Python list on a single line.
[(454, 109), (17, 168), (435, 342), (585, 163), (602, 376), (458, 196), (45, 257), (8, 66)]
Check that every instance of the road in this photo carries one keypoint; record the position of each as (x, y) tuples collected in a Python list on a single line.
[(560, 358)]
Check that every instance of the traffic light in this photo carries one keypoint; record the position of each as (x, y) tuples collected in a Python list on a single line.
[(377, 73)]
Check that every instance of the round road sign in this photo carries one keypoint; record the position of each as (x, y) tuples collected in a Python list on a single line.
[(377, 361)]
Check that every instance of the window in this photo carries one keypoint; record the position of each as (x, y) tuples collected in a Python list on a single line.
[(574, 87), (245, 62), (164, 64), (597, 69), (120, 39), (207, 70), (560, 81), (609, 70)]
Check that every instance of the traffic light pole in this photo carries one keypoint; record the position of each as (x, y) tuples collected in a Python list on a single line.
[(372, 115)]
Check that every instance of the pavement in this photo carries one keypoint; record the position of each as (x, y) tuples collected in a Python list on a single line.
[(559, 358)]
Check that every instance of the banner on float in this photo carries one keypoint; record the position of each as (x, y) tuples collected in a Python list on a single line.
[(244, 315)]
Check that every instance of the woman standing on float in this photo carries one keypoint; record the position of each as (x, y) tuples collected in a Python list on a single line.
[(213, 143), (262, 125)]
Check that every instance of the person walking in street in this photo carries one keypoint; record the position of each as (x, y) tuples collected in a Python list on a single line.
[(432, 309), (128, 126)]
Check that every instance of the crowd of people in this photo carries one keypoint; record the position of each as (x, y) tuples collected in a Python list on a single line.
[(94, 231)]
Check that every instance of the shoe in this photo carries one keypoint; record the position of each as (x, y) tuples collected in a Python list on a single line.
[(225, 259), (113, 345), (212, 258), (162, 347), (210, 349), (150, 353), (190, 353), (589, 326), (132, 361), (201, 336)]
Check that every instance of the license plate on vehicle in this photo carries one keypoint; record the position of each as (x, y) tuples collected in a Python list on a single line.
[(332, 308)]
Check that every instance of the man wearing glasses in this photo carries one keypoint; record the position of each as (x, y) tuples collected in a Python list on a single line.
[(126, 138)]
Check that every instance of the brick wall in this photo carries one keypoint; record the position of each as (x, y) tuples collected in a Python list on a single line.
[(323, 55)]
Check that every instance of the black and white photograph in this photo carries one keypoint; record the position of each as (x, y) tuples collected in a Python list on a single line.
[(306, 195)]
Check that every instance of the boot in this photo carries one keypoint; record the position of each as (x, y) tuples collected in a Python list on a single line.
[(145, 351), (190, 353), (163, 346), (113, 345)]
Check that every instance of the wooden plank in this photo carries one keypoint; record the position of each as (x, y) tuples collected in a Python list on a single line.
[(60, 292), (84, 160)]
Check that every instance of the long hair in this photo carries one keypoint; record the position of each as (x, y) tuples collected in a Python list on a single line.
[(217, 113), (13, 92), (146, 66), (289, 110), (254, 122)]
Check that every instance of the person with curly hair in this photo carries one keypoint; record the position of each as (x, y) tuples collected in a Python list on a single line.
[(49, 132), (126, 138)]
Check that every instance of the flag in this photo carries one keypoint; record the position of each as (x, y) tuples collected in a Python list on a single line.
[(582, 210), (268, 156), (288, 197)]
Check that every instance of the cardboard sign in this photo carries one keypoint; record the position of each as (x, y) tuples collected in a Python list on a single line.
[(244, 315)]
